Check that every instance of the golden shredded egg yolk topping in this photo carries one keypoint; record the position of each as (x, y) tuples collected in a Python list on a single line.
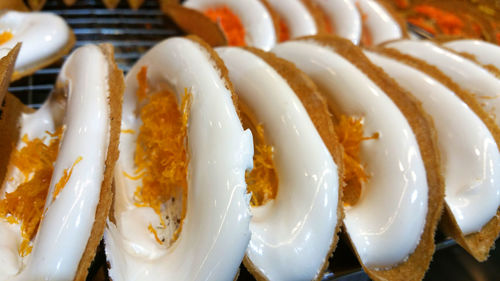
[(262, 180), (284, 31), (35, 160), (434, 20), (5, 37), (230, 24), (161, 155), (350, 133)]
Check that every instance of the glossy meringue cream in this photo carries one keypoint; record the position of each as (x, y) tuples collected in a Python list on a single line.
[(291, 234), (380, 23), (294, 13), (468, 150), (484, 52), (396, 192), (256, 19), (344, 16), (68, 219), (466, 73), (43, 35), (215, 230)]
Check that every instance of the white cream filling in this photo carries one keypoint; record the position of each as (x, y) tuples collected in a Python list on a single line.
[(344, 17), (467, 74), (468, 150), (396, 192), (485, 52), (68, 220), (297, 17), (43, 35), (215, 231), (292, 234), (254, 16), (380, 23)]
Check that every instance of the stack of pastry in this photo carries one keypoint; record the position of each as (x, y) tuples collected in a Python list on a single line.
[(238, 154)]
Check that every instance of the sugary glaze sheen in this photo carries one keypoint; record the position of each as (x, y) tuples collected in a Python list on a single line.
[(68, 220), (43, 35), (294, 13), (484, 52), (379, 22), (466, 73), (287, 241), (378, 224), (219, 151), (344, 17), (256, 19), (469, 151)]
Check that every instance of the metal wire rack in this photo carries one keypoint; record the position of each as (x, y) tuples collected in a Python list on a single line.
[(133, 32)]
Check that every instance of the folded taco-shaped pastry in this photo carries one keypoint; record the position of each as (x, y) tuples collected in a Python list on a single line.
[(46, 38), (470, 160), (394, 192), (57, 170), (295, 182), (181, 210)]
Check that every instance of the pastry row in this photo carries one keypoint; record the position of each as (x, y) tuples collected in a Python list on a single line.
[(236, 154)]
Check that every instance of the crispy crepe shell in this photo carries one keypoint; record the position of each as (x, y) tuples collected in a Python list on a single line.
[(17, 5), (9, 123), (477, 244), (416, 265), (47, 61), (315, 104)]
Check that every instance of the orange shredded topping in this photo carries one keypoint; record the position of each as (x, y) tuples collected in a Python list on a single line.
[(155, 234), (284, 31), (328, 24), (350, 134), (229, 23), (497, 35), (64, 179), (161, 154), (448, 23), (142, 80), (262, 180), (5, 37), (366, 36), (25, 205), (402, 4)]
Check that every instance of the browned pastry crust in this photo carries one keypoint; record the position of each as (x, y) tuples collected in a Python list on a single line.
[(11, 109), (315, 104), (11, 113), (36, 5), (317, 14), (135, 4), (415, 266), (46, 62), (477, 244), (195, 22), (116, 87), (17, 5), (111, 4)]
